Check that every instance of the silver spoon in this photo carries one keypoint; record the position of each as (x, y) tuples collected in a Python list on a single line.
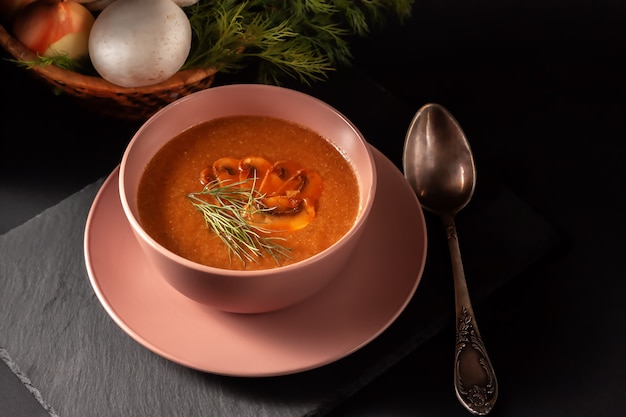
[(439, 165)]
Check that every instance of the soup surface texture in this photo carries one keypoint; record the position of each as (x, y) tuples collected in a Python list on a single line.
[(168, 215)]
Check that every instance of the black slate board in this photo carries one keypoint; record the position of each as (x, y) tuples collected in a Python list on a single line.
[(57, 333)]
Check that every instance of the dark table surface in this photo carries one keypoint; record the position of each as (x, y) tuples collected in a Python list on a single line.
[(539, 88)]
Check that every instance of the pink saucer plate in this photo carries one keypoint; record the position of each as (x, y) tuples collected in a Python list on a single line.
[(372, 291)]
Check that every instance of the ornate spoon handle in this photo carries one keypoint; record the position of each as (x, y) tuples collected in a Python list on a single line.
[(474, 378)]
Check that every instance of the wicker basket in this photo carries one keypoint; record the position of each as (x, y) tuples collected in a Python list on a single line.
[(107, 98)]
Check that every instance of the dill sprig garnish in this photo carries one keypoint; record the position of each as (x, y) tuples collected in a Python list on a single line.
[(226, 209)]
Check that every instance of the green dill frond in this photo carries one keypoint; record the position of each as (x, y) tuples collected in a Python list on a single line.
[(62, 61), (304, 39)]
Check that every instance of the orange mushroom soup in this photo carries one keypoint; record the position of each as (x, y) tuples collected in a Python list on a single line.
[(221, 182)]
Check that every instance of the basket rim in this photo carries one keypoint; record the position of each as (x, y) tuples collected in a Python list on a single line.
[(97, 85)]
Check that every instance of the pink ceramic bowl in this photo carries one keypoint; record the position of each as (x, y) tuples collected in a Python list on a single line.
[(247, 291)]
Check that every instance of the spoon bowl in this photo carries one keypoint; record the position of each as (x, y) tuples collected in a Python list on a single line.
[(439, 165), (438, 161)]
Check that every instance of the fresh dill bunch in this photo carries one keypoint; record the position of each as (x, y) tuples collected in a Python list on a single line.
[(225, 209), (304, 40)]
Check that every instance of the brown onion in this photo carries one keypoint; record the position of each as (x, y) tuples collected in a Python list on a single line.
[(52, 29)]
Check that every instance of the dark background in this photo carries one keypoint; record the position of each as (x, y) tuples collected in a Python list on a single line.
[(539, 89)]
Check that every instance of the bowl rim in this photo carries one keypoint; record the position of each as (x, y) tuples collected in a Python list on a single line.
[(344, 240)]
